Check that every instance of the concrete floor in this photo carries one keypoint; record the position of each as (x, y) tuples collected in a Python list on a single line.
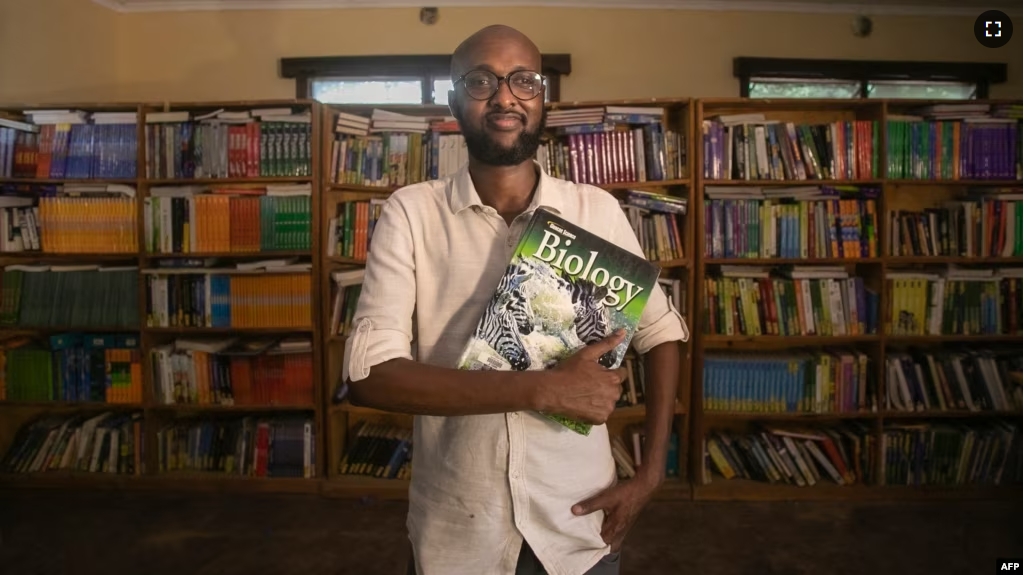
[(143, 533)]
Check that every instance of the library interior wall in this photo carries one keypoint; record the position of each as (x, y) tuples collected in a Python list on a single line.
[(75, 50)]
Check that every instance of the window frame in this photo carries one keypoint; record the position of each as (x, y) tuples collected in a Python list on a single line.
[(425, 67), (981, 74)]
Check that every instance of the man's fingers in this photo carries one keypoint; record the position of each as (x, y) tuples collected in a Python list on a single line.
[(589, 505), (599, 348)]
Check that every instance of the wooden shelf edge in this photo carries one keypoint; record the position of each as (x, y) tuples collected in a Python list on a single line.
[(749, 490)]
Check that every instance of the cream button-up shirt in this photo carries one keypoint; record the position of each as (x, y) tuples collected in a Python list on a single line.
[(480, 484)]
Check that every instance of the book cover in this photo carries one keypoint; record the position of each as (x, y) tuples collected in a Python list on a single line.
[(564, 288)]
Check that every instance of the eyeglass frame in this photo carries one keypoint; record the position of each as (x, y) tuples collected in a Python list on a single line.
[(498, 81)]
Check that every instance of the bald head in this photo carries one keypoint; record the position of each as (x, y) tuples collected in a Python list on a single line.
[(495, 38)]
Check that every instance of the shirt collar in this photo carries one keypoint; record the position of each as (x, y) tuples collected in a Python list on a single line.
[(462, 193)]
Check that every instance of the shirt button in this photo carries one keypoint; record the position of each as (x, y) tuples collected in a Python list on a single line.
[(513, 415), (515, 475)]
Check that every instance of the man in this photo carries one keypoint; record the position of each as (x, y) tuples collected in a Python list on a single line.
[(496, 488)]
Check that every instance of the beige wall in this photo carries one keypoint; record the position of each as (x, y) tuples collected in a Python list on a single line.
[(615, 53), (57, 50)]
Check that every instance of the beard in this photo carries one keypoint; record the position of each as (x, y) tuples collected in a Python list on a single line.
[(482, 147)]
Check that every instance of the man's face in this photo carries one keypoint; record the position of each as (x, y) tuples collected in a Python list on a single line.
[(503, 130)]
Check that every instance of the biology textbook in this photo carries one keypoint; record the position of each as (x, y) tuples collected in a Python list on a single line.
[(563, 289)]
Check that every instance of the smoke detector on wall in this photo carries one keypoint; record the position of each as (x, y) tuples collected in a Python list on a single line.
[(861, 26)]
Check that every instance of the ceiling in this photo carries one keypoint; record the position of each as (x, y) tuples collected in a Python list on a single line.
[(869, 7)]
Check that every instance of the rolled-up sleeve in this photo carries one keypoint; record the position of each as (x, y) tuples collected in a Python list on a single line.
[(661, 321), (382, 323)]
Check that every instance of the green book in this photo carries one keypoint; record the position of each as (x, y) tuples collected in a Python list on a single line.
[(563, 289)]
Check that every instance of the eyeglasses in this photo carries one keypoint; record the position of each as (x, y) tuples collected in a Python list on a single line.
[(481, 84)]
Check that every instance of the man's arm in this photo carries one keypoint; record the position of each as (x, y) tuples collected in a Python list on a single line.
[(662, 380)]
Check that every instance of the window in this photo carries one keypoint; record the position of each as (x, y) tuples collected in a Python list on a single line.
[(367, 90), (794, 88), (923, 90), (794, 78), (394, 80)]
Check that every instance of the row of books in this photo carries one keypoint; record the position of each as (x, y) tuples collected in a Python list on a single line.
[(952, 380), (955, 301), (346, 299), (228, 145), (64, 150), (977, 148), (89, 296), (72, 367), (351, 228), (844, 454), (233, 371), (789, 301), (988, 224), (395, 159), (922, 454), (807, 222), (228, 297), (108, 442), (830, 381), (628, 452), (634, 387), (68, 225), (378, 450), (750, 147), (613, 154), (278, 446), (388, 149), (952, 455), (237, 220)]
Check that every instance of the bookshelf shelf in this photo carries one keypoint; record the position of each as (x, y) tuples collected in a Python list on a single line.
[(922, 415), (83, 405), (268, 255), (725, 341), (61, 181), (714, 416), (792, 183), (356, 486), (191, 407), (645, 184), (227, 330), (925, 339), (788, 261), (228, 181), (932, 183), (943, 260)]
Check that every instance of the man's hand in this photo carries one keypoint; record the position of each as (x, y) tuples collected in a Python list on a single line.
[(621, 504), (580, 388)]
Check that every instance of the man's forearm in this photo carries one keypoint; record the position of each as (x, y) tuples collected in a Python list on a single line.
[(405, 386), (662, 381)]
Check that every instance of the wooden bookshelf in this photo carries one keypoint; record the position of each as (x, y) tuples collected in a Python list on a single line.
[(694, 421), (894, 192), (150, 142)]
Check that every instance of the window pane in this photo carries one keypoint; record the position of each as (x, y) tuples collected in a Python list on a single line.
[(781, 88), (441, 87), (922, 90), (354, 91)]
